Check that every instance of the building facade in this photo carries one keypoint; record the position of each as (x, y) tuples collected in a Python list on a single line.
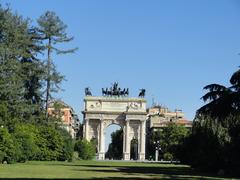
[(70, 121), (128, 113), (159, 117)]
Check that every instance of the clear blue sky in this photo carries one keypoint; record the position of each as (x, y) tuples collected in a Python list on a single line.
[(171, 48)]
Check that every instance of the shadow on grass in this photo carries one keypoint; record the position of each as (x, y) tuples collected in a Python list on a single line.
[(179, 173), (107, 178), (167, 172), (133, 172)]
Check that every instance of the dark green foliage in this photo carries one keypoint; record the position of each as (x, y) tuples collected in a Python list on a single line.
[(21, 74), (168, 156), (24, 132), (50, 143), (204, 148), (25, 139), (85, 149), (79, 134), (152, 137), (8, 150), (68, 146), (214, 142), (171, 138), (30, 142), (115, 148)]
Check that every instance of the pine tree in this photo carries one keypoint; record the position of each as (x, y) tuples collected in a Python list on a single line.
[(21, 74), (53, 31)]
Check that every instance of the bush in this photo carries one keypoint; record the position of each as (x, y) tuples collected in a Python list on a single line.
[(68, 146), (7, 148), (85, 149), (50, 144), (167, 156), (25, 137), (205, 147), (29, 142), (170, 140), (2, 155)]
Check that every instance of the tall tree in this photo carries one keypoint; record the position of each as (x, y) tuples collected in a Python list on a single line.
[(214, 142), (222, 101), (219, 101), (53, 31), (18, 49)]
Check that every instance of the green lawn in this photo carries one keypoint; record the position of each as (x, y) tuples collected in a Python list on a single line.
[(99, 170)]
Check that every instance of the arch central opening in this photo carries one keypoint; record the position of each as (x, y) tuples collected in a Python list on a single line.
[(114, 142)]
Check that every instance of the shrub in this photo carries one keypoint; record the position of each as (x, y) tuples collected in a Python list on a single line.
[(7, 148), (25, 137), (50, 144), (85, 149), (167, 156), (68, 146)]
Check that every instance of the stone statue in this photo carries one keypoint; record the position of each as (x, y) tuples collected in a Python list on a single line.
[(88, 92), (115, 91), (142, 93)]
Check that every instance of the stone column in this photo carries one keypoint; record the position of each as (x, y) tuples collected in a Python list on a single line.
[(86, 129), (126, 154), (101, 153), (123, 150), (142, 141)]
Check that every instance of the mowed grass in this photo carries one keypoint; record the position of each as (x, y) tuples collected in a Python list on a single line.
[(100, 170)]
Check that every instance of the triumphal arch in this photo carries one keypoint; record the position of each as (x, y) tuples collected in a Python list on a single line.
[(115, 107)]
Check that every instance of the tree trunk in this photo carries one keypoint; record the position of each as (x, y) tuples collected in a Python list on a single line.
[(48, 76)]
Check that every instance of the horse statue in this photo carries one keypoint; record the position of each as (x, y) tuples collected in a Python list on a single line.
[(88, 92), (126, 92), (115, 90), (104, 92), (142, 93)]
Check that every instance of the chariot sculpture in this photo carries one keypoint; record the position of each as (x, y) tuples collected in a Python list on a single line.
[(115, 91)]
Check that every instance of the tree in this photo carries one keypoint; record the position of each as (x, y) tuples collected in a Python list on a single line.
[(24, 135), (53, 31), (205, 148), (222, 101), (25, 139), (171, 138), (85, 149), (50, 143), (68, 146), (8, 150), (115, 148), (214, 141), (18, 46)]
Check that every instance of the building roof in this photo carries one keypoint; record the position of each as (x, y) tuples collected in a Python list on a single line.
[(184, 122), (52, 102), (179, 122)]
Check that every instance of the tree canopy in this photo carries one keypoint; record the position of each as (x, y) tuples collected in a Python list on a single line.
[(214, 141), (24, 132), (52, 30)]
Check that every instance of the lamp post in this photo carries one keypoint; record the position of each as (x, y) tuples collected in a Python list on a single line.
[(157, 148)]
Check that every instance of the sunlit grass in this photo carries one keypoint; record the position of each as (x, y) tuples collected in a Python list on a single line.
[(100, 170)]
